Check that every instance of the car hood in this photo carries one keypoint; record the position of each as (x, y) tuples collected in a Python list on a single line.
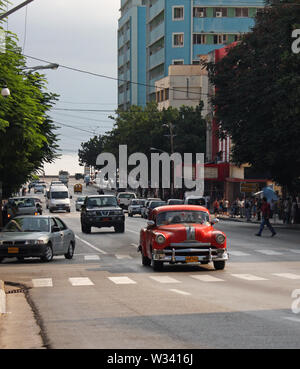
[(105, 208), (21, 236), (186, 232)]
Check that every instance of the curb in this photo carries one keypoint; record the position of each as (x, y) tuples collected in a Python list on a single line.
[(283, 226), (2, 298)]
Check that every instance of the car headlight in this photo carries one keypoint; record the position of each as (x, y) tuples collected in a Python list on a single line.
[(92, 213), (220, 238), (34, 242), (160, 239)]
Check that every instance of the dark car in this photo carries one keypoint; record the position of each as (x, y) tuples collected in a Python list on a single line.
[(101, 211), (152, 205), (175, 202)]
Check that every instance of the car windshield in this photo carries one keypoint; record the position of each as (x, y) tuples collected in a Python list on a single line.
[(80, 199), (155, 204), (59, 195), (186, 216), (26, 203), (127, 195), (196, 201), (101, 201), (175, 202), (28, 224), (137, 202)]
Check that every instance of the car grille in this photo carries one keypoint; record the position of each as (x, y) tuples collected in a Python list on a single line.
[(14, 243), (105, 213)]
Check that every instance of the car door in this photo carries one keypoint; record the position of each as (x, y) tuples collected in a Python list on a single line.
[(66, 235), (56, 237)]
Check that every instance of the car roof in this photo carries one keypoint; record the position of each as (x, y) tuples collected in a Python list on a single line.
[(57, 187), (180, 208), (93, 196)]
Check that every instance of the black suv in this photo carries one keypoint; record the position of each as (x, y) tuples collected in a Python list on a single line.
[(101, 211)]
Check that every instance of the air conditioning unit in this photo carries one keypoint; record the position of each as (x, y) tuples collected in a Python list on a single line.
[(218, 14), (201, 14)]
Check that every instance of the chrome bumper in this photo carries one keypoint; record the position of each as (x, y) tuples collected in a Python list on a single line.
[(204, 255)]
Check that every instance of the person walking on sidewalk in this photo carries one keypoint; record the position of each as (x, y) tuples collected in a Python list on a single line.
[(265, 212)]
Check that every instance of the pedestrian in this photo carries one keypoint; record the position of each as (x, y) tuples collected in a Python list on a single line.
[(258, 209), (216, 206), (248, 210), (266, 211), (287, 209), (294, 210)]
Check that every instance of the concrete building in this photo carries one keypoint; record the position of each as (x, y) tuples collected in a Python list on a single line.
[(132, 54)]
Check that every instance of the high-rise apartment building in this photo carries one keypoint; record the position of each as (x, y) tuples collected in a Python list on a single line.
[(132, 54), (176, 32)]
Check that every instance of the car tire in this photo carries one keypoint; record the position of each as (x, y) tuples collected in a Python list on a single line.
[(219, 265), (85, 228), (145, 260), (157, 265), (70, 253), (48, 254), (119, 228)]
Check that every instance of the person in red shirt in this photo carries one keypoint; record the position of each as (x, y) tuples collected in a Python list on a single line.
[(266, 212)]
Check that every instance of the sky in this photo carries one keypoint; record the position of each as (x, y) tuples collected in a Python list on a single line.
[(81, 35)]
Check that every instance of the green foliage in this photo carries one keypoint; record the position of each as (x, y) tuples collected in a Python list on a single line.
[(90, 150), (258, 95), (27, 137)]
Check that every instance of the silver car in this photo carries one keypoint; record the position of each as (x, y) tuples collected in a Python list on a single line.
[(36, 236), (22, 206), (79, 202)]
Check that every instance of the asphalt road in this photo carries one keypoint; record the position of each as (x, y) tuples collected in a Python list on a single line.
[(104, 298)]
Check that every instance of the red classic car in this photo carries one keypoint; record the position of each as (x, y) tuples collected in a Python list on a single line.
[(182, 234)]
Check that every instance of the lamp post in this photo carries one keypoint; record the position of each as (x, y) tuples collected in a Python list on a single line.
[(53, 66)]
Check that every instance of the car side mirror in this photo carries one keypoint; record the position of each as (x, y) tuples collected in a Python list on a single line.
[(150, 224), (214, 221), (55, 229)]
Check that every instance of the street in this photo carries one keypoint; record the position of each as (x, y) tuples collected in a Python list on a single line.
[(104, 298)]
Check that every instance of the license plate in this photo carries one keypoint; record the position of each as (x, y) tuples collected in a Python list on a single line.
[(106, 219), (13, 250), (191, 259)]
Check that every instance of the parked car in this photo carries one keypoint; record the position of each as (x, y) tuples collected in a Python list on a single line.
[(21, 206), (79, 202), (175, 202), (42, 236), (144, 208), (124, 198), (135, 206), (182, 234), (102, 211)]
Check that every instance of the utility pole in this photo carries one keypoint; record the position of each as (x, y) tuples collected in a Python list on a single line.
[(2, 16)]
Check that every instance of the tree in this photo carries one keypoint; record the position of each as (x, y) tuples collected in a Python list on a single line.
[(257, 95), (90, 150), (27, 134)]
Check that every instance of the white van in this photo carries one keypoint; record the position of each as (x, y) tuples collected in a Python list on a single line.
[(195, 200), (58, 198)]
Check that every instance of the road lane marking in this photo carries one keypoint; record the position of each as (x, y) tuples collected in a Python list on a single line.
[(81, 281), (295, 251), (42, 282), (207, 278), (90, 245), (287, 275), (165, 279), (180, 292), (91, 257), (269, 252), (121, 256), (249, 277), (238, 253), (121, 280)]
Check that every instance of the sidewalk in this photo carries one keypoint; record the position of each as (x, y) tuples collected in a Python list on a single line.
[(276, 223), (18, 325)]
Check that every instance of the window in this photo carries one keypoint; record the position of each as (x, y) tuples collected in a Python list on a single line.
[(220, 12), (241, 12), (178, 39), (196, 62), (178, 62), (178, 13), (220, 39), (198, 39), (61, 225), (199, 12)]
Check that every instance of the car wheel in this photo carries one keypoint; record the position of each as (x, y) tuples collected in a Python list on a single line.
[(157, 265), (48, 255), (70, 252), (219, 265), (145, 260), (85, 228), (120, 228)]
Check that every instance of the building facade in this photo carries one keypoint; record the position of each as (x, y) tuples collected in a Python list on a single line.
[(179, 31), (132, 54)]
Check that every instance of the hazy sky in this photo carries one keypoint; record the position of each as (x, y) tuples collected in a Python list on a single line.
[(82, 35)]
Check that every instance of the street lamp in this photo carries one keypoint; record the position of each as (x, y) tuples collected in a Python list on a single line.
[(53, 66), (5, 90)]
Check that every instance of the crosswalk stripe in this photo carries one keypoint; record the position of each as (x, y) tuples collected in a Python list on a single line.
[(121, 280), (269, 252), (42, 282), (91, 257), (249, 277), (120, 256), (238, 253), (164, 279), (287, 275), (180, 292), (81, 281), (207, 278)]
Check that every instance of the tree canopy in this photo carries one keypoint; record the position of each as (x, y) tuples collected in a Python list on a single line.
[(257, 95)]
